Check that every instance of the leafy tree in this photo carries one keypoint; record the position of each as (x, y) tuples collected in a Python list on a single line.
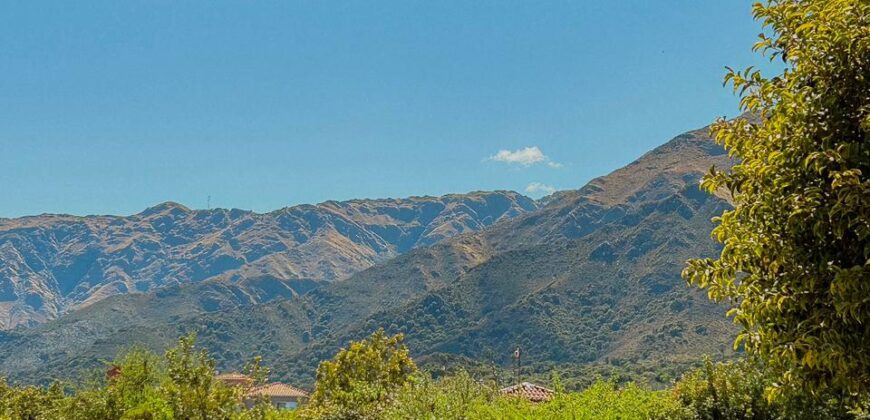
[(255, 370), (29, 402), (796, 256), (449, 397), (362, 379), (181, 385), (262, 406), (132, 393), (190, 387), (601, 401), (736, 391)]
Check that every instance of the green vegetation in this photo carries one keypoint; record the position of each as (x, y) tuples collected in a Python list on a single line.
[(796, 260), (736, 390), (376, 379), (460, 397), (141, 385), (362, 379)]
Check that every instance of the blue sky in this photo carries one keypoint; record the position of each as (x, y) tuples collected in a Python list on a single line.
[(111, 107)]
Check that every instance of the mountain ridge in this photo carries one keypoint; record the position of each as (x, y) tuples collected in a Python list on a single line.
[(50, 264)]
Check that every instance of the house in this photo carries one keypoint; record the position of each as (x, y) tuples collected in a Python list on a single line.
[(278, 394), (529, 391)]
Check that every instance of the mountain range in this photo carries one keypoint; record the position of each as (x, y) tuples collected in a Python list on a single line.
[(589, 277), (51, 264)]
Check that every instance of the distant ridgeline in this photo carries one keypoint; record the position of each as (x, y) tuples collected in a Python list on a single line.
[(51, 264), (589, 277)]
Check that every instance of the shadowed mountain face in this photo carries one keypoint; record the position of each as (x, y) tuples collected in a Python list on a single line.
[(54, 263), (593, 276)]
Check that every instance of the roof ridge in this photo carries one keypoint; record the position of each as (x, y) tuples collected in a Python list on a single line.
[(278, 385), (528, 390)]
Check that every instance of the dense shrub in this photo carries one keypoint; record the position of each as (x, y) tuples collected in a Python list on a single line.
[(461, 397), (450, 397), (737, 390), (180, 385), (376, 379), (362, 380), (30, 402), (603, 400)]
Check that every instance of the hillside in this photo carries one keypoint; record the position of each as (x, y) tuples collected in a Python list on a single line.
[(51, 264), (591, 277)]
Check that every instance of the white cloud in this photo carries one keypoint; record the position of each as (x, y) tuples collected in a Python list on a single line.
[(537, 188), (526, 157)]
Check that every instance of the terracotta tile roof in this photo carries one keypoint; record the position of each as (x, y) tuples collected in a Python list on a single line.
[(531, 392), (277, 389)]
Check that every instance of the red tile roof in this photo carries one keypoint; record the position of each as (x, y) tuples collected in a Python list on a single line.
[(277, 389), (531, 392)]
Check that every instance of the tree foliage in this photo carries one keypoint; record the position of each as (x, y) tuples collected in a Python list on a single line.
[(796, 256), (601, 401), (363, 378), (449, 397), (375, 379), (736, 391), (29, 402), (180, 385), (190, 387)]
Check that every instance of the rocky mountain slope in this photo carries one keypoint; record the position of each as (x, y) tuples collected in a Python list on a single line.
[(51, 264), (591, 277)]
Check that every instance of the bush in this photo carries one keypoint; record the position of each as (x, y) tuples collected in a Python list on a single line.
[(737, 390), (30, 402), (450, 397), (181, 385), (361, 381), (603, 400), (376, 379)]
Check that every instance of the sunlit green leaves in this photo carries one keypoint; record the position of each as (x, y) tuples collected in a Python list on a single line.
[(363, 378), (795, 259)]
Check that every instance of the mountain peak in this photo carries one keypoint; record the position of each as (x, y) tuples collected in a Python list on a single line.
[(165, 207)]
